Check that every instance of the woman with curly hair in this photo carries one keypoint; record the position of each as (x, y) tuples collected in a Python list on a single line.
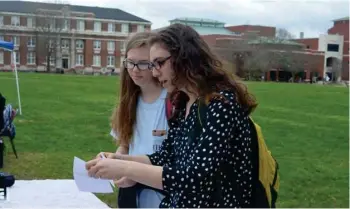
[(207, 158)]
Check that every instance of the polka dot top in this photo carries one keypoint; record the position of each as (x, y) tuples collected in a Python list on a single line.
[(214, 169)]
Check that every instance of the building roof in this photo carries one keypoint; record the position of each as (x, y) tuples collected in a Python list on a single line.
[(100, 12), (193, 19), (207, 30), (341, 19), (266, 40), (212, 31)]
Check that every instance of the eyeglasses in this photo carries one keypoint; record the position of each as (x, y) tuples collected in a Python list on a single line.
[(157, 64), (143, 65)]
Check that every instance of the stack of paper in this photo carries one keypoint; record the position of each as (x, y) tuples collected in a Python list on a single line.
[(86, 183)]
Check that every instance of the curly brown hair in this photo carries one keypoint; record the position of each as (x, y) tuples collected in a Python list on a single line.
[(197, 67)]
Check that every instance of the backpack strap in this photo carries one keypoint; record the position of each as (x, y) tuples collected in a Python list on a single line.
[(168, 108)]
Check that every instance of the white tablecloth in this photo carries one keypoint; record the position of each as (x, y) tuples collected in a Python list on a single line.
[(49, 194)]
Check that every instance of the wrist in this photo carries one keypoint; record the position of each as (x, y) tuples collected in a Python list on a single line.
[(128, 169)]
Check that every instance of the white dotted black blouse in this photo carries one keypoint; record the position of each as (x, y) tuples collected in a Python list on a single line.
[(215, 168)]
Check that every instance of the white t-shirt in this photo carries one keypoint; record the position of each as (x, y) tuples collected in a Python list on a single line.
[(149, 117)]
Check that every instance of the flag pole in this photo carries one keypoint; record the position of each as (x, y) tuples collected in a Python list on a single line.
[(17, 84)]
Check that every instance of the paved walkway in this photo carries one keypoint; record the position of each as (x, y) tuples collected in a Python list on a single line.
[(49, 194)]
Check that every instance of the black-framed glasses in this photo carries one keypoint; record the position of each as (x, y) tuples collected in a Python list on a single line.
[(142, 65), (159, 62)]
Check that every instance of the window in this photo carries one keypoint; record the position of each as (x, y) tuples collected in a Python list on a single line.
[(31, 58), (80, 25), (111, 27), (1, 20), (140, 28), (79, 60), (122, 45), (111, 45), (15, 21), (1, 37), (65, 43), (17, 57), (30, 22), (333, 47), (97, 60), (15, 40), (97, 45), (31, 42), (79, 44), (65, 25), (97, 26), (1, 57), (110, 61), (125, 28)]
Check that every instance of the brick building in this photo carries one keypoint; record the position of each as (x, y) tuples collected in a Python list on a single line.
[(334, 46), (78, 37)]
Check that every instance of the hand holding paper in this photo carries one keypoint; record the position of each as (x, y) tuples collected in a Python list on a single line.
[(86, 183)]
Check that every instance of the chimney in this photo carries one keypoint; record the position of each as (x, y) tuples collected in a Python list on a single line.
[(301, 36)]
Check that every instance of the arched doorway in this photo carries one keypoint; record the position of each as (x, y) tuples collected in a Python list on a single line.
[(333, 67)]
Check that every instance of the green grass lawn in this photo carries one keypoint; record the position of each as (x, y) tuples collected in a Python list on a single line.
[(305, 126)]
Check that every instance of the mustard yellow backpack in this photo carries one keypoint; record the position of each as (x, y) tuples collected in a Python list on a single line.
[(266, 170)]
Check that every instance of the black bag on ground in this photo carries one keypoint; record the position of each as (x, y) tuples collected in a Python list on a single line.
[(127, 197), (7, 180)]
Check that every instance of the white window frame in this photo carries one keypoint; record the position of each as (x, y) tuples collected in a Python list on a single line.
[(1, 20), (125, 28), (122, 45), (15, 21), (80, 25), (15, 40), (110, 61), (31, 41), (79, 60), (97, 26), (65, 43), (140, 28), (18, 56), (66, 24), (1, 57), (31, 58), (96, 60), (111, 27), (30, 22), (79, 44), (97, 45), (111, 45)]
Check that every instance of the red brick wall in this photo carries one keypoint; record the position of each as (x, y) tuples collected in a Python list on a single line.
[(211, 40), (104, 26), (73, 24), (133, 28), (103, 53), (7, 20), (118, 27), (23, 21), (89, 25), (311, 42), (341, 28), (23, 50), (88, 56), (263, 30)]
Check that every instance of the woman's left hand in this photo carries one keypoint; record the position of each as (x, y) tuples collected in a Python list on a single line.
[(106, 168)]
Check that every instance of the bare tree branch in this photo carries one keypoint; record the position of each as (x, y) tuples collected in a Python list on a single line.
[(50, 25)]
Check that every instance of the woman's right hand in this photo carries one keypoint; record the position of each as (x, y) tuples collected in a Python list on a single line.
[(109, 155)]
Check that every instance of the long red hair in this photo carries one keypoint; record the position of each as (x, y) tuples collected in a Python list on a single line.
[(124, 116)]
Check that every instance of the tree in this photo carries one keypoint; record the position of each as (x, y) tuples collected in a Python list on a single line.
[(284, 34), (50, 25)]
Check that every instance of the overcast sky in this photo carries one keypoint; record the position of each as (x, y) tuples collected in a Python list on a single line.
[(313, 17)]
